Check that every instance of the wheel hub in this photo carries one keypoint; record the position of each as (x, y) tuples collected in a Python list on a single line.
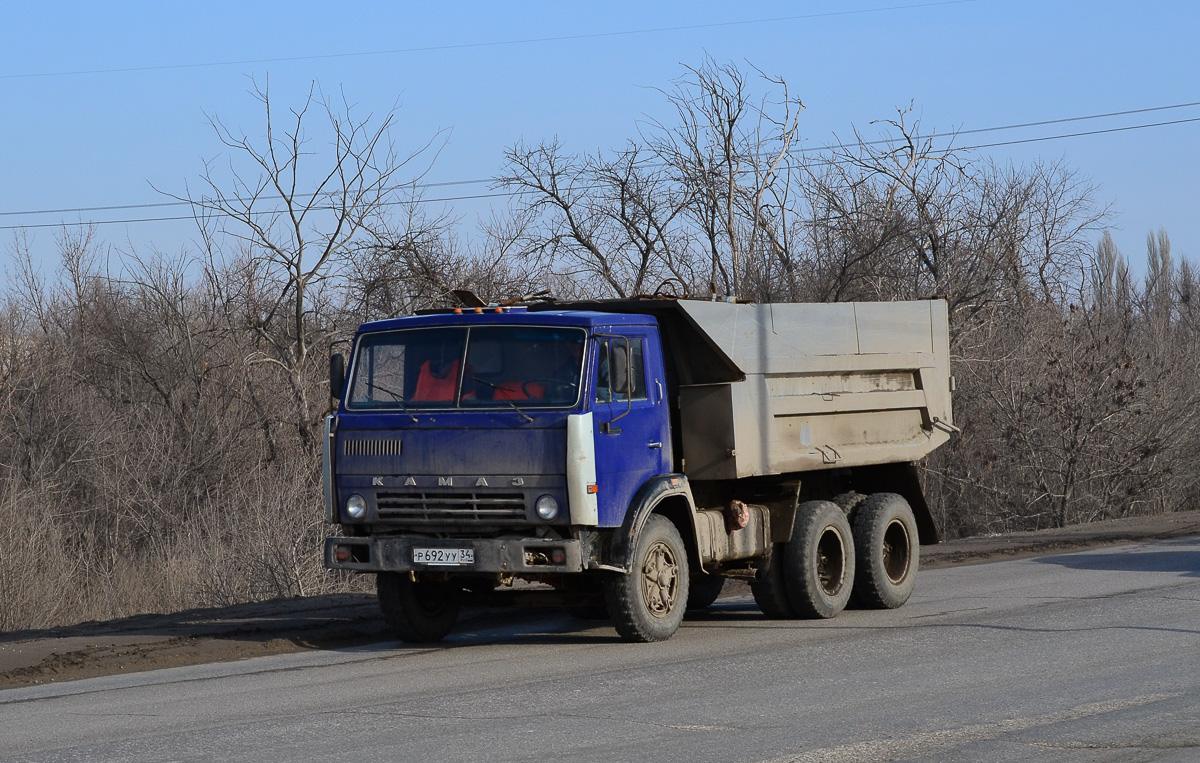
[(660, 579), (831, 562), (896, 552)]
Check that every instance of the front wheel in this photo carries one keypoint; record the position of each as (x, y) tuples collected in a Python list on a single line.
[(417, 611), (647, 603)]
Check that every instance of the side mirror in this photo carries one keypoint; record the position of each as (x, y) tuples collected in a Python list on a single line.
[(337, 375), (620, 370)]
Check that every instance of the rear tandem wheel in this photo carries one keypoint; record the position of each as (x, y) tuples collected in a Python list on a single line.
[(703, 591), (888, 550), (818, 562), (770, 593)]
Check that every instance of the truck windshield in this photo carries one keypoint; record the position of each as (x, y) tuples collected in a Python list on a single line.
[(478, 367)]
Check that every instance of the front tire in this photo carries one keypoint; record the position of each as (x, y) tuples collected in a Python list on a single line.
[(888, 549), (647, 603), (818, 562), (417, 611)]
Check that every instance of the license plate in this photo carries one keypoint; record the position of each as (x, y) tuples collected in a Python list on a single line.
[(449, 557)]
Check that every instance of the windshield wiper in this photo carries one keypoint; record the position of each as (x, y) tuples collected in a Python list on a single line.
[(396, 396), (511, 404)]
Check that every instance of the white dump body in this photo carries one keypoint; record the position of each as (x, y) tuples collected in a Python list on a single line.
[(823, 386)]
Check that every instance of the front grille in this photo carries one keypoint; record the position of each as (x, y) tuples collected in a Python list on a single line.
[(437, 508), (371, 447)]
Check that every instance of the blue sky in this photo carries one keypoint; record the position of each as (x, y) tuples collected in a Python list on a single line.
[(76, 133)]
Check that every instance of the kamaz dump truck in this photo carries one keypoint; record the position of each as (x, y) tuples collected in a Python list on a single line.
[(622, 458)]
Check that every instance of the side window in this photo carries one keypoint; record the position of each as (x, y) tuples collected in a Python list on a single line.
[(620, 371)]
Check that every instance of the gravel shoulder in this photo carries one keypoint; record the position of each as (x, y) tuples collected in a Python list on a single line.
[(199, 636)]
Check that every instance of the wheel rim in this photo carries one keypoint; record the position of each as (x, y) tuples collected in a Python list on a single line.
[(660, 579), (896, 551), (831, 561)]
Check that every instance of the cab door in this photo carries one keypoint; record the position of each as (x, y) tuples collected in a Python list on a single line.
[(632, 434)]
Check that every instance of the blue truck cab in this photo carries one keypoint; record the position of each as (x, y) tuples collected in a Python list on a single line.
[(474, 448)]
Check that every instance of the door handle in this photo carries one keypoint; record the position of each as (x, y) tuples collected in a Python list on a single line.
[(654, 445)]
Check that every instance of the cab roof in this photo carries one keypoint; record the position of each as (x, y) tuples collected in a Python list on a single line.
[(510, 317)]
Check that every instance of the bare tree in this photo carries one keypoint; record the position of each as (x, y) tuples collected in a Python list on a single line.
[(294, 223), (728, 151), (692, 202), (606, 220)]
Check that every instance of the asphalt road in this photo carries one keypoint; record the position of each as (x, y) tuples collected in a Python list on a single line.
[(1091, 657)]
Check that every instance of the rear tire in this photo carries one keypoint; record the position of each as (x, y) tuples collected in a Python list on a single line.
[(888, 550), (418, 612), (647, 603), (770, 593), (849, 503), (818, 562), (703, 591)]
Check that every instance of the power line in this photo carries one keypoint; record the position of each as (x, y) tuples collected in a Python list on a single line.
[(422, 200), (511, 194), (161, 204), (1080, 119), (493, 44), (815, 149), (1022, 125), (1081, 134)]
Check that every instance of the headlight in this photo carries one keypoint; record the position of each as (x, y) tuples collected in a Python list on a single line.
[(547, 507), (356, 506)]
